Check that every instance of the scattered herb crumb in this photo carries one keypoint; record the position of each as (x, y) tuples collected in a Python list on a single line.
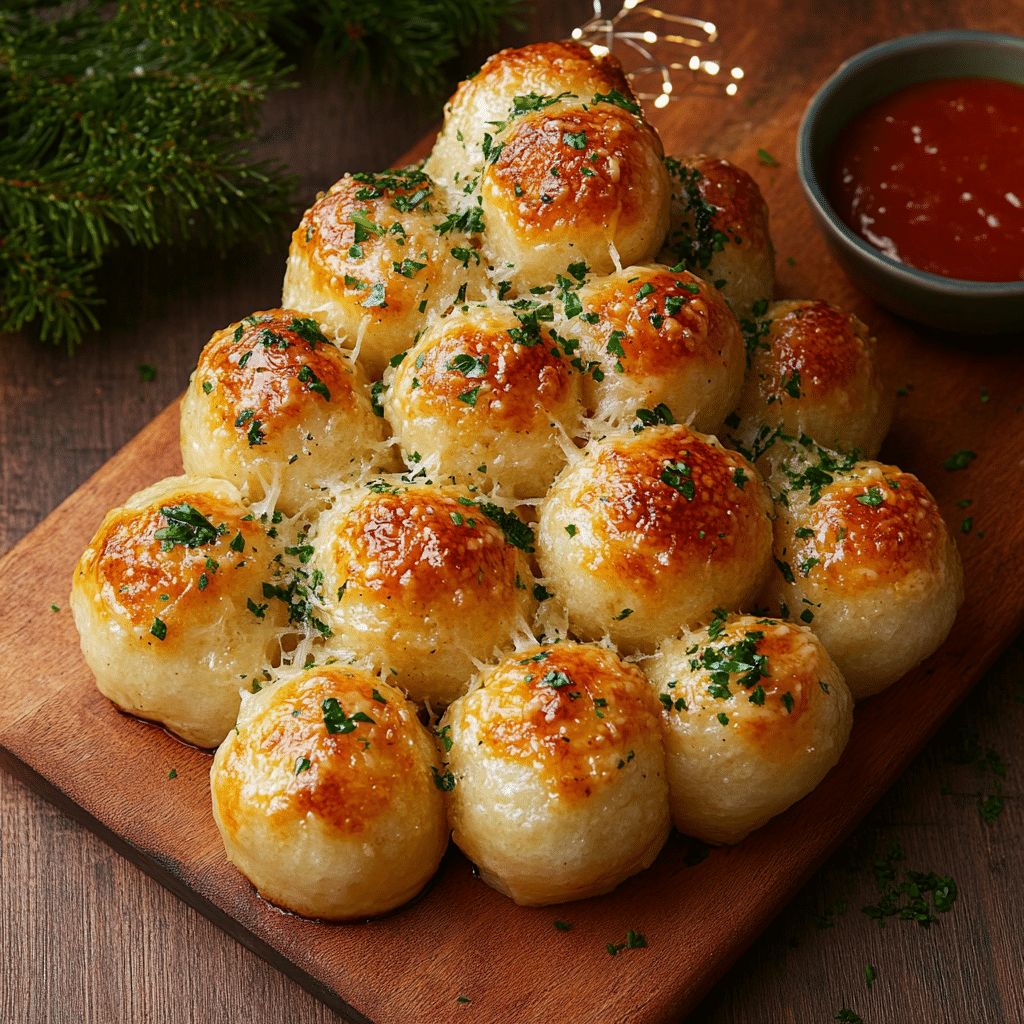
[(173, 773), (960, 460), (463, 999), (54, 607), (847, 1016), (562, 926), (869, 975), (147, 373), (766, 158), (634, 940)]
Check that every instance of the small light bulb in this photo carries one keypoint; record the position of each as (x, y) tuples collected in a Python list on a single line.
[(666, 86), (731, 89), (736, 72), (711, 67), (661, 101), (650, 37), (630, 4), (694, 63), (577, 33), (598, 50), (710, 27)]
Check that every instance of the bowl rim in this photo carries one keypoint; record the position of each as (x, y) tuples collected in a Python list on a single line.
[(877, 54)]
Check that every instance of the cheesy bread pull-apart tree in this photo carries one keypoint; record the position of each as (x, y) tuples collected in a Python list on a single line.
[(169, 603)]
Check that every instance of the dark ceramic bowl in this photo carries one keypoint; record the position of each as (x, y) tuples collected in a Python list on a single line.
[(953, 304)]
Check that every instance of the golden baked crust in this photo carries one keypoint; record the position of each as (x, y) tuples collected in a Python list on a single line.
[(280, 411), (330, 810), (646, 533), (540, 70), (420, 579), (485, 397), (869, 556), (719, 229), (754, 713), (370, 253), (172, 628), (813, 372), (659, 339), (573, 183), (558, 773)]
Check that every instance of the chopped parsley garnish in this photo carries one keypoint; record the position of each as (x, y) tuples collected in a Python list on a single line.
[(787, 699), (158, 629), (469, 366), (445, 782), (766, 158), (615, 97), (335, 719), (575, 140), (375, 298), (302, 764), (308, 377), (309, 330), (677, 476), (960, 460), (187, 526), (872, 496)]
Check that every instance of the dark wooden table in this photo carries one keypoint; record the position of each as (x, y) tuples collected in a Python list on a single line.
[(87, 937)]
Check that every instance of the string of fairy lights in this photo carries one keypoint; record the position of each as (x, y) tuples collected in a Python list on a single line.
[(625, 35)]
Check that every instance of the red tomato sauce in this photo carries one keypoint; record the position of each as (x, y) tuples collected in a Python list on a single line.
[(933, 176)]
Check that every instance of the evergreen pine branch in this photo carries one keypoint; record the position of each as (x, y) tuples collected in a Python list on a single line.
[(129, 128)]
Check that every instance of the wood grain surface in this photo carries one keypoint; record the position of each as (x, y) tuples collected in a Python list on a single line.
[(89, 938)]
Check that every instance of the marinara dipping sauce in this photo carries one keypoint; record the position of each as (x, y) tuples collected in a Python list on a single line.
[(933, 176)]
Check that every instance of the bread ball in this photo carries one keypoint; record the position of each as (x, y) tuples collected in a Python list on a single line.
[(658, 338), (280, 411), (169, 605), (572, 184), (377, 255), (325, 795), (485, 397), (646, 533), (719, 229), (862, 554), (813, 372), (512, 81), (421, 579), (754, 714), (558, 774)]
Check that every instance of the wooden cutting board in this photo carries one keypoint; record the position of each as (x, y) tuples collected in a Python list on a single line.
[(461, 940)]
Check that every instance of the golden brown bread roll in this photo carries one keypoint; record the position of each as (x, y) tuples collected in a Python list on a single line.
[(280, 411), (573, 183), (813, 371), (658, 338), (863, 555), (558, 773), (375, 256), (486, 398), (646, 533), (516, 79), (719, 230), (421, 580), (754, 713), (169, 605), (325, 795)]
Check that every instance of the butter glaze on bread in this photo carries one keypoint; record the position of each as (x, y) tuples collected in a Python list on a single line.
[(341, 824), (367, 284), (752, 721), (646, 533), (541, 69), (870, 556), (559, 788), (130, 586), (719, 229), (572, 184), (471, 403), (814, 373), (419, 580), (659, 338), (279, 410)]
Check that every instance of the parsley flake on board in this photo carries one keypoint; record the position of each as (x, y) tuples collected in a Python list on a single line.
[(959, 460), (634, 940), (677, 476)]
